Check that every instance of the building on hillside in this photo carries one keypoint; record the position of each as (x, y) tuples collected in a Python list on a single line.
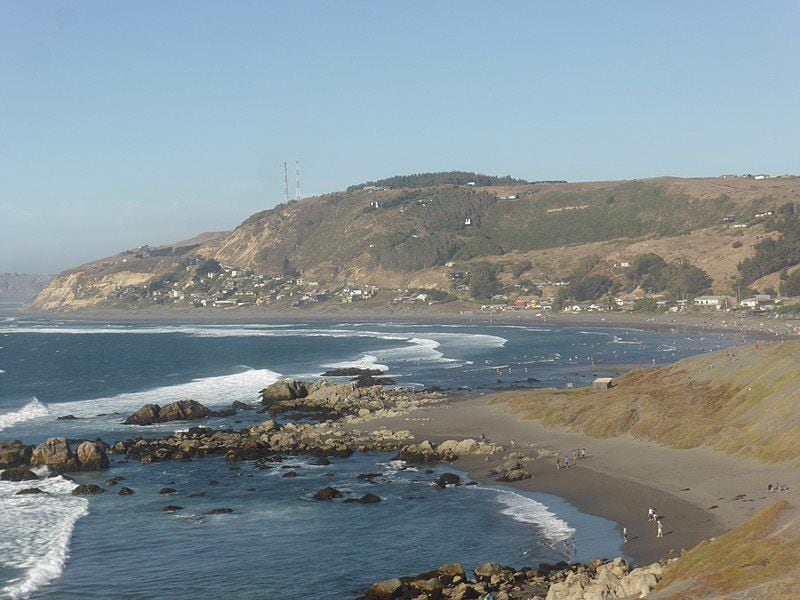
[(758, 302), (761, 215), (729, 218), (602, 383), (715, 302)]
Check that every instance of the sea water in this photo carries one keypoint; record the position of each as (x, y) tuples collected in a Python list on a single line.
[(277, 542)]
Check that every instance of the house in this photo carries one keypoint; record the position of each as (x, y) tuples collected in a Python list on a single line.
[(602, 383), (715, 302), (761, 176), (759, 301), (739, 226), (761, 215), (467, 221), (729, 218)]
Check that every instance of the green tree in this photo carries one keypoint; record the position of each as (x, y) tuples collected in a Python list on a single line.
[(483, 282)]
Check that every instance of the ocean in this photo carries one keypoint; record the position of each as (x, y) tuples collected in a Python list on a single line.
[(277, 542)]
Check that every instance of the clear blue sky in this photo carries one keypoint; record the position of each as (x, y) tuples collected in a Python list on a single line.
[(130, 122)]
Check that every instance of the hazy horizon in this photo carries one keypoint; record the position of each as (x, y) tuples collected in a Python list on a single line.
[(124, 126)]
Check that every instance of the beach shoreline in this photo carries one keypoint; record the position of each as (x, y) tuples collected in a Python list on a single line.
[(754, 328), (700, 494)]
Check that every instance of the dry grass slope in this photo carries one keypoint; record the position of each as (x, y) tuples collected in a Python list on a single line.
[(758, 559), (744, 402)]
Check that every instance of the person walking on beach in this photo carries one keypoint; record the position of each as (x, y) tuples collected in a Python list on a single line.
[(660, 530), (583, 452), (558, 463), (650, 512), (624, 535)]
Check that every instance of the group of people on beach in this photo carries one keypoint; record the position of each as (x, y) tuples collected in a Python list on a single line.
[(570, 459), (653, 517)]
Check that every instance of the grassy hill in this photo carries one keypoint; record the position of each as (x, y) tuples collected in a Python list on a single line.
[(744, 401), (387, 233)]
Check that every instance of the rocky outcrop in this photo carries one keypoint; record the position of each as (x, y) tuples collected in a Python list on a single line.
[(327, 494), (56, 454), (365, 499), (283, 390), (510, 470), (18, 474), (92, 456), (183, 410), (425, 452), (87, 490), (30, 491), (351, 372), (599, 580), (14, 453)]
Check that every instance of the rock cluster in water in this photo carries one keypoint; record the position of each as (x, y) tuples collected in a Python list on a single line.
[(597, 580), (183, 410)]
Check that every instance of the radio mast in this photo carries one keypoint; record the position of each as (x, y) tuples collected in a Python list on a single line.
[(285, 183), (298, 178)]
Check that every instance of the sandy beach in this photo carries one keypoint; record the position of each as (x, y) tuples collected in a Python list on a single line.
[(699, 493)]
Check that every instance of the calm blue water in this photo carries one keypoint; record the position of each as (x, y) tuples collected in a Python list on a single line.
[(277, 543)]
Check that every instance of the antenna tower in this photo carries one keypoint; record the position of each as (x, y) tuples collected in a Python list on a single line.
[(285, 183), (298, 178)]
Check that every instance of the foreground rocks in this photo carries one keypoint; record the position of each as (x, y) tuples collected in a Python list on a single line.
[(57, 455), (597, 581)]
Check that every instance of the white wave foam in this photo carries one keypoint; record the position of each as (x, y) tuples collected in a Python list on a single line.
[(214, 392), (527, 510), (365, 361), (1, 370), (36, 532), (32, 410)]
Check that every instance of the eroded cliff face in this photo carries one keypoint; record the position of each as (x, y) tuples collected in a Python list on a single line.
[(76, 290)]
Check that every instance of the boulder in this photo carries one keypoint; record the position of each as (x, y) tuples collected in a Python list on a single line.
[(515, 475), (92, 456), (30, 491), (18, 474), (365, 499), (66, 418), (240, 406), (384, 590), (184, 410), (56, 454), (285, 389), (14, 453), (171, 508), (87, 490), (221, 511), (168, 490), (486, 570), (446, 479), (125, 491), (327, 493), (147, 415)]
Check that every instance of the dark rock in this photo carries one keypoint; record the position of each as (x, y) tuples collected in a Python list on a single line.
[(365, 499), (285, 389), (14, 453), (289, 474), (351, 372), (369, 381), (368, 476), (18, 474), (322, 462), (221, 511), (213, 482), (125, 491), (114, 481), (197, 495), (171, 508), (448, 479), (327, 493), (147, 415), (87, 490), (168, 490), (240, 406), (29, 491), (66, 418)]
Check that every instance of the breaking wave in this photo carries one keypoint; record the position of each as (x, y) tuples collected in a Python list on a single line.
[(32, 410)]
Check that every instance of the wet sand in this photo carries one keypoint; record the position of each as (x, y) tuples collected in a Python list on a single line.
[(699, 493)]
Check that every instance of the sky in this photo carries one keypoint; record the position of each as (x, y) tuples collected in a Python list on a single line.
[(123, 123)]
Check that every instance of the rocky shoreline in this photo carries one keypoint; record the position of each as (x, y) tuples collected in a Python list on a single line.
[(598, 580)]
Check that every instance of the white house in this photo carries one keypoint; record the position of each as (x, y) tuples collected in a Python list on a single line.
[(716, 302)]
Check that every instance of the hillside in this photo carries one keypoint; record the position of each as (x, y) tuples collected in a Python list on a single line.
[(744, 402), (21, 287), (384, 235)]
